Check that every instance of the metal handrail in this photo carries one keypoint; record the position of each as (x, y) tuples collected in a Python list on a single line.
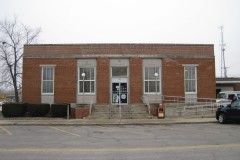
[(90, 107), (184, 105), (68, 111), (198, 109), (146, 103)]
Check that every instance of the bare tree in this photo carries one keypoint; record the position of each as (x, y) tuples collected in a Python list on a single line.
[(13, 36)]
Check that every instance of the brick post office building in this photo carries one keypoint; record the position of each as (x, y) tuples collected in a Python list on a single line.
[(77, 73)]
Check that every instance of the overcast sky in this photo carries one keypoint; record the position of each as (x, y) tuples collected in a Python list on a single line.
[(134, 21)]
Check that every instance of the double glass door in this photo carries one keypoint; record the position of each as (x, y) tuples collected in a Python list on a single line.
[(119, 93)]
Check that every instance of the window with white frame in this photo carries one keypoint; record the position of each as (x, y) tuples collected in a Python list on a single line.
[(86, 80), (190, 79), (48, 80), (119, 71), (152, 80)]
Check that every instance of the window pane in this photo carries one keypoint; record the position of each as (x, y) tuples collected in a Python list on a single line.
[(81, 71), (193, 86), (119, 71), (151, 74), (151, 71), (193, 73), (51, 74), (92, 86), (186, 86), (186, 73), (158, 87), (190, 73), (156, 70), (87, 74), (146, 86), (87, 86), (47, 79), (92, 74), (190, 79), (86, 83), (47, 73), (47, 86), (152, 87), (146, 73), (81, 86), (150, 79), (50, 84), (44, 87), (44, 73)]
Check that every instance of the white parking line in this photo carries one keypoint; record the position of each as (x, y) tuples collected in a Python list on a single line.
[(61, 130), (169, 148), (6, 131), (188, 129), (124, 130)]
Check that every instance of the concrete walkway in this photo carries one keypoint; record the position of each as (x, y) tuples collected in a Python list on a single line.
[(59, 121)]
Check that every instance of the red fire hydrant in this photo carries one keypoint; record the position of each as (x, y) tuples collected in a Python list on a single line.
[(161, 111)]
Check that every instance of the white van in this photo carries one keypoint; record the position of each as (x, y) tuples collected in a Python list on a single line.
[(227, 96)]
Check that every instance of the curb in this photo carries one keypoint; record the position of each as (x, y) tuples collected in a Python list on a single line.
[(90, 122)]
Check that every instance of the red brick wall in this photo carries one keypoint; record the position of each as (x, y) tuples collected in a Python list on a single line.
[(237, 87), (113, 49), (65, 80), (66, 69), (103, 81), (206, 78), (173, 76), (77, 113), (31, 83), (136, 80)]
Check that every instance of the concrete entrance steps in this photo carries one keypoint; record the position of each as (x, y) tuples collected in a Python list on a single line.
[(113, 112)]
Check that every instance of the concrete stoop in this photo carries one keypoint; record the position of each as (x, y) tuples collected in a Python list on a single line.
[(123, 112)]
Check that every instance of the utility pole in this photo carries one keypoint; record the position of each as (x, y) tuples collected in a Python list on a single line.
[(223, 65)]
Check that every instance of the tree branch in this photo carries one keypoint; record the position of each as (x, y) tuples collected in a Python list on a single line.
[(13, 36)]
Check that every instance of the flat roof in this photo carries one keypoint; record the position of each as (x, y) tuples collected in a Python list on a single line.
[(227, 80), (132, 44), (152, 50)]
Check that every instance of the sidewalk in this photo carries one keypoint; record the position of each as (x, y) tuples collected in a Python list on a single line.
[(59, 121)]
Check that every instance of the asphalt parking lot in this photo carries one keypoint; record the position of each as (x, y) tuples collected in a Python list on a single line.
[(121, 142)]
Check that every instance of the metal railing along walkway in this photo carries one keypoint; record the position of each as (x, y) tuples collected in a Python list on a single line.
[(184, 106)]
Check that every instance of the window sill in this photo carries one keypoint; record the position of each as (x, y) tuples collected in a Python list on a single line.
[(86, 94), (47, 94), (158, 93)]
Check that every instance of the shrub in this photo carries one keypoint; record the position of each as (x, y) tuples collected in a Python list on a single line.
[(14, 109), (38, 110), (60, 110)]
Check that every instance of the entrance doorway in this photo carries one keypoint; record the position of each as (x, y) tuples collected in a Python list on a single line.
[(120, 91)]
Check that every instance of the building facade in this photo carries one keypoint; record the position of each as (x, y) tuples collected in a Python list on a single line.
[(227, 84), (105, 73)]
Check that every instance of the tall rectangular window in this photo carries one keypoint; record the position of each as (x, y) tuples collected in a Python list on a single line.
[(48, 80), (86, 80), (152, 79), (190, 77)]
